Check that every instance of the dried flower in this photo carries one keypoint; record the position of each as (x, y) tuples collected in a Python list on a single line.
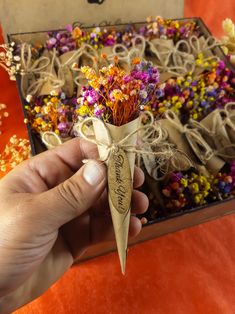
[(9, 61), (115, 96), (51, 113), (16, 151), (228, 27)]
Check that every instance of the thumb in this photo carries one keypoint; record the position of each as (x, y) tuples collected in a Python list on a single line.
[(72, 197)]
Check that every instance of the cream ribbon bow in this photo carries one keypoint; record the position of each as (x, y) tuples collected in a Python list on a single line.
[(111, 145), (158, 156)]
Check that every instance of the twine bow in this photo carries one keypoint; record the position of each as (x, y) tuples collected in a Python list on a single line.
[(198, 46), (30, 69), (111, 145), (170, 59), (180, 59), (126, 55), (158, 156), (221, 126), (57, 81), (199, 146), (46, 77), (166, 158)]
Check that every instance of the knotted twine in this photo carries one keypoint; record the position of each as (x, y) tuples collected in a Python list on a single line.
[(181, 59), (34, 74), (171, 60), (125, 55), (208, 156), (111, 145), (219, 129), (50, 139), (158, 156), (46, 77), (30, 70), (202, 44)]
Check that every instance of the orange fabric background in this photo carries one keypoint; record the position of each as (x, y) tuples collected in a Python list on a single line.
[(191, 271)]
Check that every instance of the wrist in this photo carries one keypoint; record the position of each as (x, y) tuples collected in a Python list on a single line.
[(10, 303), (55, 264)]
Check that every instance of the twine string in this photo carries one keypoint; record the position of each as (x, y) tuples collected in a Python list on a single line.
[(124, 55), (111, 145), (30, 69), (198, 144), (198, 47)]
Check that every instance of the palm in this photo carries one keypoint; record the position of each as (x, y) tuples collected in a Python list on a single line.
[(49, 252)]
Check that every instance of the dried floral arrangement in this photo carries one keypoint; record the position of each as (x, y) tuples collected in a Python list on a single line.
[(167, 65), (156, 94)]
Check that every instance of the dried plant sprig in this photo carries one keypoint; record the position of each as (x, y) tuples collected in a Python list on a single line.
[(9, 61), (16, 151)]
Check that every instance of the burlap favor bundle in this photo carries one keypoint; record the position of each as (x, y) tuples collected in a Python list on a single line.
[(189, 140), (172, 59), (218, 131), (31, 70)]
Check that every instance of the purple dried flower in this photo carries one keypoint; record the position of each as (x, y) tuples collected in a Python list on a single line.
[(69, 28), (64, 49), (64, 128)]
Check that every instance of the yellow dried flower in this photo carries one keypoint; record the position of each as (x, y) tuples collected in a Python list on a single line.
[(88, 72), (83, 110), (228, 27), (117, 94)]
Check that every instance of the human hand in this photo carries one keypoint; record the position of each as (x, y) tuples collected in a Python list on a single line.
[(52, 208)]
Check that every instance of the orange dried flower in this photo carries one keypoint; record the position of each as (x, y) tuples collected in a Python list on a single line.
[(76, 33), (103, 56), (136, 60)]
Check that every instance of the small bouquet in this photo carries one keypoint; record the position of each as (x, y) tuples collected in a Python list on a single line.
[(113, 102)]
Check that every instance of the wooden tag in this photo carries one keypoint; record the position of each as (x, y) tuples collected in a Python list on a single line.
[(119, 181)]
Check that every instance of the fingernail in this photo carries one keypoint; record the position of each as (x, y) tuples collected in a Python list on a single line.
[(93, 172)]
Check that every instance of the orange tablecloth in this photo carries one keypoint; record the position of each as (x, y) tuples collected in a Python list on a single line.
[(191, 271)]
